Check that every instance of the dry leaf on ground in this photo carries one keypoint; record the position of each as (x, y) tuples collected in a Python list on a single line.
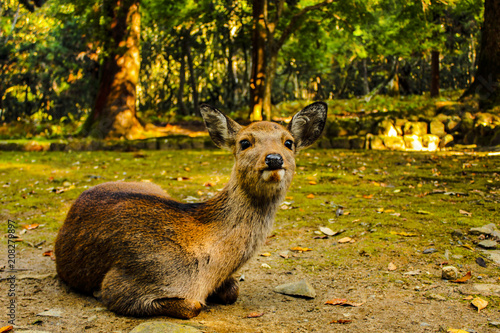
[(479, 303), (403, 233), (310, 196), (464, 278), (31, 226), (6, 329), (255, 314), (456, 330), (463, 212), (343, 302), (341, 321), (300, 249), (346, 240), (266, 254), (391, 267)]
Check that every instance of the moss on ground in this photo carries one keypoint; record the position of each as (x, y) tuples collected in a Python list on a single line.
[(395, 204)]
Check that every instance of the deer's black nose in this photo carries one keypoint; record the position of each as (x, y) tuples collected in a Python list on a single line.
[(274, 161)]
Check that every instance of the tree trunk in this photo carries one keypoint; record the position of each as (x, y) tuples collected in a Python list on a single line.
[(192, 74), (486, 84), (258, 75), (114, 113), (434, 73), (364, 72)]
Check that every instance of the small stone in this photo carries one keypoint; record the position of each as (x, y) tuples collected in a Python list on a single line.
[(429, 250), (163, 326), (301, 288), (424, 324), (51, 313), (488, 244), (449, 273), (457, 233), (435, 297)]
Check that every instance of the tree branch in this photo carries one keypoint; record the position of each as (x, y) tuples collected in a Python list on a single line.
[(293, 24)]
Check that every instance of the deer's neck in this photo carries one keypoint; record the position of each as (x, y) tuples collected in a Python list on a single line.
[(241, 221)]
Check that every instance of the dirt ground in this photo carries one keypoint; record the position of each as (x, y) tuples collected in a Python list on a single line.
[(387, 300), (390, 305)]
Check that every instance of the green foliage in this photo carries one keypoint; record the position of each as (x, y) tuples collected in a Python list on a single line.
[(199, 51)]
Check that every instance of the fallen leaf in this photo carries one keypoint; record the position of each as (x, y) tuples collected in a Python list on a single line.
[(255, 314), (463, 212), (467, 246), (310, 196), (328, 231), (300, 249), (403, 233), (464, 279), (343, 302), (468, 298), (456, 330), (6, 329), (266, 254), (380, 210), (479, 303), (346, 240), (391, 267), (368, 196), (31, 226), (209, 184), (341, 321), (312, 182), (424, 212), (336, 301), (48, 253)]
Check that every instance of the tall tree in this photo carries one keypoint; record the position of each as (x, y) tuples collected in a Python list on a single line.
[(268, 17), (114, 113), (486, 84)]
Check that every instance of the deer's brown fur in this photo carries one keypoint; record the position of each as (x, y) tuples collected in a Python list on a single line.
[(150, 255)]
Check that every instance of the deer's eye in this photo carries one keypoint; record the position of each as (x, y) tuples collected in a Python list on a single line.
[(289, 144), (244, 144)]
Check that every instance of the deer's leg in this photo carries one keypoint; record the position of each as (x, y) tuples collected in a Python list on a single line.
[(227, 293), (123, 294)]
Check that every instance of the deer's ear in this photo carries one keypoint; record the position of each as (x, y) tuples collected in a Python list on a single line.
[(221, 128), (307, 125)]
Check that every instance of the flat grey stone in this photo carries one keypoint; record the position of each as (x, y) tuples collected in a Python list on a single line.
[(493, 255), (488, 244), (485, 289), (430, 250), (51, 313), (301, 288), (163, 327), (485, 229)]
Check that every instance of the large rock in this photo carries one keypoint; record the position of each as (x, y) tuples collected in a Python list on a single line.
[(418, 128), (375, 142), (437, 128), (301, 288), (163, 327), (394, 142), (386, 128), (430, 141), (413, 142), (446, 141)]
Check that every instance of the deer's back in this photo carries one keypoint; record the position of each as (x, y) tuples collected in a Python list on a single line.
[(128, 225)]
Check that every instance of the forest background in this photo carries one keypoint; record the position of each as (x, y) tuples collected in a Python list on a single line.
[(94, 68)]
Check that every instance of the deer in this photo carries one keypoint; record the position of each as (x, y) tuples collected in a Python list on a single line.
[(141, 253)]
